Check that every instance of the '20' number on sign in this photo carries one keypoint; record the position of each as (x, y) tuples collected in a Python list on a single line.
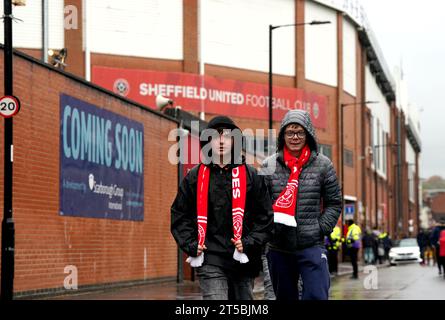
[(9, 106)]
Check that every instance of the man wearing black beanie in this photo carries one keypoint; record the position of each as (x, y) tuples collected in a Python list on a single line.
[(222, 216)]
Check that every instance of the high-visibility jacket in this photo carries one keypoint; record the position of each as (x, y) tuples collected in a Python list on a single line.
[(353, 236), (334, 239), (385, 241)]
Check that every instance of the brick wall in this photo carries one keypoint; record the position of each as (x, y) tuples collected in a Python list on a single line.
[(104, 251)]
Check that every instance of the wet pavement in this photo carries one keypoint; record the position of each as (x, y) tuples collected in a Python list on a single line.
[(402, 282), (188, 290)]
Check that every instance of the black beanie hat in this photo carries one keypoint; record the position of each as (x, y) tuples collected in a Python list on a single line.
[(221, 122)]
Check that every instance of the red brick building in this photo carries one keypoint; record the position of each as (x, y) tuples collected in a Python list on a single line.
[(104, 251), (330, 70), (438, 207)]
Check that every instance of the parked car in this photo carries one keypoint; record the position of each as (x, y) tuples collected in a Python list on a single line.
[(405, 250)]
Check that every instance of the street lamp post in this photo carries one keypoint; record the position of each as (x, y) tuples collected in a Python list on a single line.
[(342, 153), (271, 28), (7, 254)]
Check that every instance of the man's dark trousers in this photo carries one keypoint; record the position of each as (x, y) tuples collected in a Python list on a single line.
[(353, 252), (286, 268)]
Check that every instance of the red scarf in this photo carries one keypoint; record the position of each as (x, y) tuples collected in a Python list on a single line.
[(238, 204), (284, 207)]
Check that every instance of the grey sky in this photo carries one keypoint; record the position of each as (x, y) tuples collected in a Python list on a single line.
[(412, 32)]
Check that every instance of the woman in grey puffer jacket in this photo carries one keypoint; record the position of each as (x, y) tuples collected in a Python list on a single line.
[(297, 247)]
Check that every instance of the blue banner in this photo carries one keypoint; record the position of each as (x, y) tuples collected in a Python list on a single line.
[(101, 163)]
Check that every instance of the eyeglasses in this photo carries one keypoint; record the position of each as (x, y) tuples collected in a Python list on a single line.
[(299, 134)]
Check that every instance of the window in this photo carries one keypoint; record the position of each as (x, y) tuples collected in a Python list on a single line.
[(384, 152), (348, 158), (410, 242), (371, 139), (411, 182), (378, 143), (325, 150)]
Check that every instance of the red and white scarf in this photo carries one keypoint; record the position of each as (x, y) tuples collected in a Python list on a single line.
[(238, 204), (284, 207)]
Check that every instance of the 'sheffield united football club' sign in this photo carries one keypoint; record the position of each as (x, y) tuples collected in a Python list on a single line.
[(211, 94), (101, 162)]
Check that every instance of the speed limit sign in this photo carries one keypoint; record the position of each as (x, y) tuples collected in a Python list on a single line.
[(9, 106)]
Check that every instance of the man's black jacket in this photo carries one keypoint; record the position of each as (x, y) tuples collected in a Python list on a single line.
[(257, 223)]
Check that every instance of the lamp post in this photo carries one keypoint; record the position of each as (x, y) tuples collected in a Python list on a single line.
[(271, 28), (342, 153), (7, 254)]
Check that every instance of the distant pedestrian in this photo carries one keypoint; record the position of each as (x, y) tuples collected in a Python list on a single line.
[(442, 250), (353, 244), (376, 233), (388, 244), (333, 243), (369, 242), (435, 241), (384, 244), (429, 250), (422, 241)]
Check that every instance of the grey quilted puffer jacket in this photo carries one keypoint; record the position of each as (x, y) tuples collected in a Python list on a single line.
[(319, 201)]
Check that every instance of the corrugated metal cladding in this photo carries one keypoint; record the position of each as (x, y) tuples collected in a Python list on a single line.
[(28, 32), (236, 34), (143, 28), (349, 58), (321, 45)]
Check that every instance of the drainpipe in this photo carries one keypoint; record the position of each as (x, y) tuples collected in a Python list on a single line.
[(45, 31), (399, 173)]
